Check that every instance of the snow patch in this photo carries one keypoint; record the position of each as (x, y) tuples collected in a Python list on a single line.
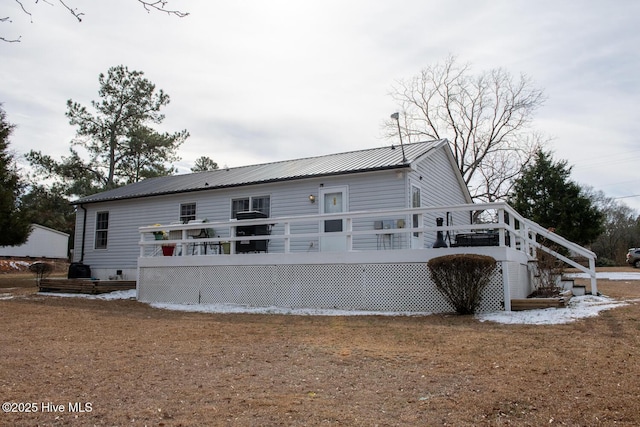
[(607, 275), (116, 295), (236, 308), (11, 266), (577, 308), (18, 265)]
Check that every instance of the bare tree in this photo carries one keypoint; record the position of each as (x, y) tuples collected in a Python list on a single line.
[(621, 229), (157, 5), (485, 117)]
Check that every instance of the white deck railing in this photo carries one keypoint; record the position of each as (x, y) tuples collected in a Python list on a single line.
[(287, 233)]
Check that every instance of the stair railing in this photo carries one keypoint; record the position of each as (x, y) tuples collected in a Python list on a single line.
[(529, 232)]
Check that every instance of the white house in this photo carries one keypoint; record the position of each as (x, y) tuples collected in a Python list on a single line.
[(43, 242), (350, 230)]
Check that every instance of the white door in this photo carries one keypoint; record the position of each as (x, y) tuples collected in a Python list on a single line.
[(333, 200), (416, 241)]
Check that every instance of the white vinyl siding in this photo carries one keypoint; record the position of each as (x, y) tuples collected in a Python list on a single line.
[(366, 191), (438, 181)]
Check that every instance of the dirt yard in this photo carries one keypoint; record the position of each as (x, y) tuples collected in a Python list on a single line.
[(73, 361)]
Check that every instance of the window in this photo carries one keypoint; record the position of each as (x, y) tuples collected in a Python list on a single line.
[(415, 203), (239, 205), (187, 212), (102, 229), (260, 204)]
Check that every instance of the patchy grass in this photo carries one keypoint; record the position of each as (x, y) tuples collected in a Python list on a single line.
[(14, 273), (142, 366), (22, 280)]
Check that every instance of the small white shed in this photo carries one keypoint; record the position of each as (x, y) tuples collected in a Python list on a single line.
[(43, 242)]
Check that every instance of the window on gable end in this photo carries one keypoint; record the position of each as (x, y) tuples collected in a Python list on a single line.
[(102, 230)]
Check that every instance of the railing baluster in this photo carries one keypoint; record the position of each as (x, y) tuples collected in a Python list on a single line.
[(287, 239), (349, 227)]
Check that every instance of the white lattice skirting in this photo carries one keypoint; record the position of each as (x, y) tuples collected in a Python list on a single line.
[(397, 287)]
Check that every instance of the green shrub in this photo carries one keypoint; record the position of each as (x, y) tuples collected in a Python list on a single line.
[(606, 262), (462, 278)]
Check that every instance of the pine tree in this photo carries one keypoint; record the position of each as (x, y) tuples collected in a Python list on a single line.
[(14, 225), (118, 144), (545, 194), (203, 164)]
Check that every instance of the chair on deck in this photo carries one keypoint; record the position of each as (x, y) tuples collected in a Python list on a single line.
[(203, 233)]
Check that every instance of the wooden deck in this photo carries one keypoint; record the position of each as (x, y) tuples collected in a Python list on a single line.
[(85, 286)]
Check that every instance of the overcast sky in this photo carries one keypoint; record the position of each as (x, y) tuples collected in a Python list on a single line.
[(255, 81)]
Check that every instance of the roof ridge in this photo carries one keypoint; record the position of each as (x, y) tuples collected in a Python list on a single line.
[(392, 146), (354, 161)]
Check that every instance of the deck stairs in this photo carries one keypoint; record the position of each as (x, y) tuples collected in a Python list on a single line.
[(562, 280), (566, 286)]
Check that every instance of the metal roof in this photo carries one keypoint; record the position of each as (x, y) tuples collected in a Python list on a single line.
[(373, 159)]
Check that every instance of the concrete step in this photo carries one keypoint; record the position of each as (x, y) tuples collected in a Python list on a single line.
[(579, 290)]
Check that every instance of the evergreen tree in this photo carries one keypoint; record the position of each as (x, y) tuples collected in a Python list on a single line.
[(47, 207), (545, 194), (121, 146), (14, 225), (203, 164)]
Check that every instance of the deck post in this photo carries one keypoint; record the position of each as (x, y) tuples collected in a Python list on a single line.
[(184, 245), (526, 247), (505, 286), (501, 234), (594, 282), (232, 245)]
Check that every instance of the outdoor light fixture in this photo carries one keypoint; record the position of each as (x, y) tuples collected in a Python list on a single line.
[(396, 117), (312, 198)]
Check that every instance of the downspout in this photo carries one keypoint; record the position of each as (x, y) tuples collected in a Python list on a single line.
[(84, 232)]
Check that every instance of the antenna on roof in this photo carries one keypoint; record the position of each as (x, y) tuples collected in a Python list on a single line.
[(396, 117)]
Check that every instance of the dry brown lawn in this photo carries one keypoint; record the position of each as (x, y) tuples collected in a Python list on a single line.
[(127, 364)]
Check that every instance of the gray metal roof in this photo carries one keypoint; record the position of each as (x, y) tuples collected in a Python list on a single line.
[(333, 164)]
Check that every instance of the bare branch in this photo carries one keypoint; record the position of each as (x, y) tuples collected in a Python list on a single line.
[(10, 40), (155, 5), (160, 5), (74, 12), (25, 10), (485, 117)]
